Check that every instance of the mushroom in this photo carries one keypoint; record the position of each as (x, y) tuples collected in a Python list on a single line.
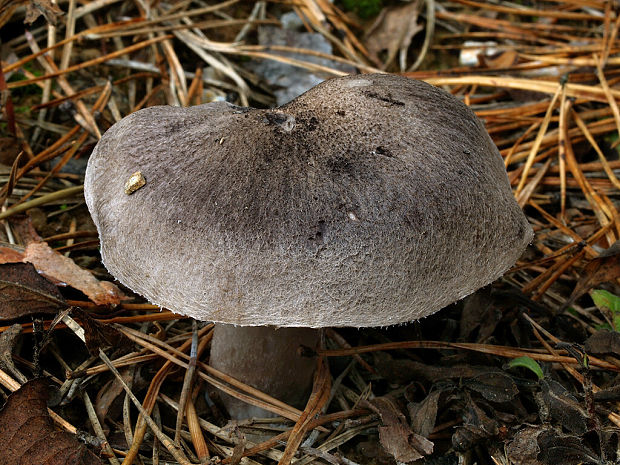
[(370, 200)]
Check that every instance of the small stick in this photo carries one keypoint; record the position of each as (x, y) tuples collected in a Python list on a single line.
[(176, 452), (86, 64), (94, 421), (193, 423), (562, 136), (187, 381), (539, 137), (51, 197), (500, 351)]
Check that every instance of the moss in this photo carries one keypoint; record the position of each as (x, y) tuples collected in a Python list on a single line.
[(363, 8), (30, 89)]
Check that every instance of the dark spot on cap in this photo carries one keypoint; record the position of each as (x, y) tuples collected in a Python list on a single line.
[(341, 165), (313, 124), (384, 98), (383, 151), (273, 118), (316, 237)]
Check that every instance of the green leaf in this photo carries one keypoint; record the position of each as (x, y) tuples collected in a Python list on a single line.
[(606, 300), (529, 363), (602, 298), (600, 326)]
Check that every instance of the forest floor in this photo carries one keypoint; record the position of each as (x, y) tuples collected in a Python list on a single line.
[(523, 372)]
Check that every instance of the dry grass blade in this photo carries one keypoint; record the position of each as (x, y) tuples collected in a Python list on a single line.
[(12, 178), (99, 430), (47, 154), (539, 137), (195, 353), (500, 351), (176, 452), (318, 397), (605, 164), (608, 91), (547, 87), (224, 434), (294, 62), (218, 379), (150, 399), (552, 13), (562, 141), (193, 423), (580, 61), (523, 197), (88, 63), (44, 199)]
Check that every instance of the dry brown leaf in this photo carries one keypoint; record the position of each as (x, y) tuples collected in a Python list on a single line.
[(524, 448), (28, 435), (109, 392), (557, 448), (495, 386), (24, 292), (23, 227), (11, 253), (604, 268), (393, 31), (424, 414), (49, 10), (395, 435), (8, 339), (59, 269), (564, 407), (603, 342), (477, 426), (543, 445), (99, 335), (62, 268)]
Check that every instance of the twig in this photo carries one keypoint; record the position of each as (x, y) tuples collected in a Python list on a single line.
[(47, 198), (165, 440)]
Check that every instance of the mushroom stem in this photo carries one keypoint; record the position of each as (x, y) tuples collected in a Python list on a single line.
[(268, 359)]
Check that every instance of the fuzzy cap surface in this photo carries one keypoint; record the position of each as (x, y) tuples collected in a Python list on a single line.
[(370, 200)]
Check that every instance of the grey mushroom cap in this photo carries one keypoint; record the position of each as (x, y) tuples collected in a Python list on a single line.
[(370, 200)]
